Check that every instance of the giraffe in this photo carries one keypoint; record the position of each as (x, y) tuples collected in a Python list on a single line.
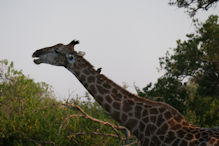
[(153, 123)]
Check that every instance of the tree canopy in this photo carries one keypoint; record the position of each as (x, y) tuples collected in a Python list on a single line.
[(191, 79), (192, 6)]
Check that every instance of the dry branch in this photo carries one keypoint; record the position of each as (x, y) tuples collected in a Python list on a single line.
[(40, 143), (85, 115), (95, 133)]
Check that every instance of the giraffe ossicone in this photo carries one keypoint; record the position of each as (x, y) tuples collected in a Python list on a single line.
[(153, 123)]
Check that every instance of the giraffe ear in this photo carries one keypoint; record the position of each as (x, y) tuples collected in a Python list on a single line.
[(73, 43), (80, 53)]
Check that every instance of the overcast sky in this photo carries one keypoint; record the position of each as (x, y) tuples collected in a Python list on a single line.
[(124, 37)]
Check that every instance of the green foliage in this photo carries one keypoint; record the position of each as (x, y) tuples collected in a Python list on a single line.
[(191, 79), (30, 115), (172, 89)]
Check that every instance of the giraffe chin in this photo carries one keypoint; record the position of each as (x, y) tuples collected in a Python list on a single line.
[(37, 61)]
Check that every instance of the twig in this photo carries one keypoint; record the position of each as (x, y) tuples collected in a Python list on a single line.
[(133, 143), (67, 121), (96, 133), (39, 143)]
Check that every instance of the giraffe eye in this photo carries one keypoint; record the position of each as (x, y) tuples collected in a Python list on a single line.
[(70, 58)]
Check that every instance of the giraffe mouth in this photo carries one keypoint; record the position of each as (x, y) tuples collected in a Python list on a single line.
[(37, 56), (37, 61)]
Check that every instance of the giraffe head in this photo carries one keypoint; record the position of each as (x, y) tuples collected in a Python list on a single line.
[(58, 55)]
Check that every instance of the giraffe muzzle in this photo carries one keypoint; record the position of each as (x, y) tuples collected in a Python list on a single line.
[(37, 56), (37, 53)]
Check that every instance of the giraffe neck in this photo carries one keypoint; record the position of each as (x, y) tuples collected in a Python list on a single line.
[(151, 122)]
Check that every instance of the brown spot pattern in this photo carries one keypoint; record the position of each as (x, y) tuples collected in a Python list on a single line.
[(136, 132), (178, 118), (163, 129), (183, 143), (116, 105), (127, 105), (176, 142), (181, 133), (162, 109), (102, 90), (170, 137), (124, 117), (160, 120), (91, 79), (141, 126), (131, 123), (153, 119), (93, 89), (146, 120), (150, 129), (138, 110), (107, 107), (117, 97), (114, 91), (86, 72), (106, 85), (167, 115), (108, 99), (145, 113), (153, 111), (176, 127), (83, 78), (116, 115), (99, 99), (189, 136), (155, 141), (146, 142)]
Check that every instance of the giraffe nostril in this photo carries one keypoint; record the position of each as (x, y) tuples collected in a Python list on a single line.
[(56, 51)]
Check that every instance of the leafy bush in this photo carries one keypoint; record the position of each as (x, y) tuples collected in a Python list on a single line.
[(30, 115)]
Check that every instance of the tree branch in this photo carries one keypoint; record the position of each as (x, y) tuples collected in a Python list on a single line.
[(96, 133), (85, 115), (40, 143)]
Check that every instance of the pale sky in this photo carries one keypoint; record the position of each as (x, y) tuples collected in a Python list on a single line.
[(124, 37)]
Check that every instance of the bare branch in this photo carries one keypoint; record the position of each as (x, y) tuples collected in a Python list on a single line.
[(85, 115), (96, 133), (40, 143), (133, 143), (114, 127), (66, 121)]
